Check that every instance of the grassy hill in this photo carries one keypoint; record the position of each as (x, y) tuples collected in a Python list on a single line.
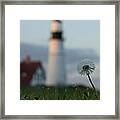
[(59, 93)]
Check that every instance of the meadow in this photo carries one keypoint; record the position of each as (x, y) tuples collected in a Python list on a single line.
[(59, 93)]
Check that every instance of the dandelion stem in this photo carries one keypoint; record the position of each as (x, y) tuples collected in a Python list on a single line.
[(91, 81)]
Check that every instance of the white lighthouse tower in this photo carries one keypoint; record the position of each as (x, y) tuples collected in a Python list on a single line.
[(56, 65)]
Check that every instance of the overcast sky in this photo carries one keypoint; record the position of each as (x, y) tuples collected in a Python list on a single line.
[(77, 33)]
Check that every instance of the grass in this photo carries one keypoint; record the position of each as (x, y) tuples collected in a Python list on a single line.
[(59, 93)]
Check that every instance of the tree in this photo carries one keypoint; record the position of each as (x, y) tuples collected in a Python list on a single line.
[(86, 67)]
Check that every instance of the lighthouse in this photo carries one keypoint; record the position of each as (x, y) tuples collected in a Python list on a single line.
[(56, 63)]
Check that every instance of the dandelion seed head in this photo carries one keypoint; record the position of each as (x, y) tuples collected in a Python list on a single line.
[(85, 66)]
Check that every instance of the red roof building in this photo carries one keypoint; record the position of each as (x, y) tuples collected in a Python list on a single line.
[(31, 73)]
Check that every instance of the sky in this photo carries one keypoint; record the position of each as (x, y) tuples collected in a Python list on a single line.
[(83, 34)]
